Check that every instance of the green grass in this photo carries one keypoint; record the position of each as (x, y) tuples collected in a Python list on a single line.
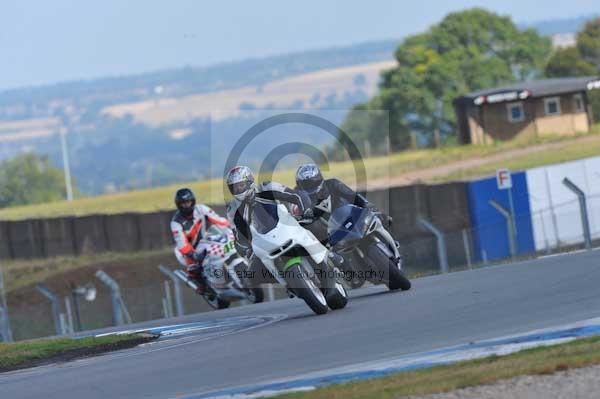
[(570, 151), (212, 191), (538, 361), (28, 353), (22, 273)]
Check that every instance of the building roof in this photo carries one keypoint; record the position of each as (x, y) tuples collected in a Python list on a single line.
[(531, 89)]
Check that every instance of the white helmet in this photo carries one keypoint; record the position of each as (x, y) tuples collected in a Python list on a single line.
[(240, 182)]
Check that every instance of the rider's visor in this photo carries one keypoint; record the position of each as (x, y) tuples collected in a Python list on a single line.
[(239, 187), (186, 204), (311, 185)]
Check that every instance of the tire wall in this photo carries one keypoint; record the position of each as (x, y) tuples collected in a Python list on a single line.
[(444, 205)]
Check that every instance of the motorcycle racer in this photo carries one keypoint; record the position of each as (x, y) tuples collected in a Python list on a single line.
[(327, 195), (188, 225), (246, 193)]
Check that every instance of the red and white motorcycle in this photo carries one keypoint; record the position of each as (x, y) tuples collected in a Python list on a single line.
[(224, 270)]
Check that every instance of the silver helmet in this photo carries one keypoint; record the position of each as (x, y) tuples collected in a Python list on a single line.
[(240, 182)]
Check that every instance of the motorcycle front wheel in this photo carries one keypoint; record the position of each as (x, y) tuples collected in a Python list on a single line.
[(255, 295), (337, 297), (215, 302), (395, 277), (352, 276), (301, 283)]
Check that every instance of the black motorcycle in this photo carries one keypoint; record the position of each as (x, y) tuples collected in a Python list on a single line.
[(358, 233)]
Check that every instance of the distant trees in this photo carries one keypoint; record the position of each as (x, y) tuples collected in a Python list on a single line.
[(588, 43), (30, 179), (581, 60), (568, 62), (466, 51)]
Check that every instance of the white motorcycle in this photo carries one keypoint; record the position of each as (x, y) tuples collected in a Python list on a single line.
[(224, 271), (295, 258)]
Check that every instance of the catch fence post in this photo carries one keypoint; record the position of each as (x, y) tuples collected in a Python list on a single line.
[(168, 298), (441, 243), (179, 309), (546, 243), (118, 306), (5, 329), (270, 293), (68, 309), (467, 248), (165, 308), (42, 289), (585, 222), (4, 335), (509, 226)]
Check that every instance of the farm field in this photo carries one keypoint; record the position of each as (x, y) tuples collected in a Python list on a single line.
[(426, 165)]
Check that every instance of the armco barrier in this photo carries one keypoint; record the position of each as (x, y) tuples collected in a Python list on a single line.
[(448, 206), (90, 234), (5, 242), (58, 236), (406, 205), (24, 239), (153, 226), (445, 205), (123, 234)]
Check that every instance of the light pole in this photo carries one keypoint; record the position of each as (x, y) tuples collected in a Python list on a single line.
[(66, 166)]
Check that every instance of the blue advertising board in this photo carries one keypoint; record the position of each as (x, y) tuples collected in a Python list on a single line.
[(490, 230)]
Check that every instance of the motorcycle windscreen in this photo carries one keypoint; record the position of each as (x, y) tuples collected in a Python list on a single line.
[(346, 224), (264, 217)]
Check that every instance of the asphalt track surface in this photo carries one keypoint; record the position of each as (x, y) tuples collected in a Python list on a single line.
[(439, 311)]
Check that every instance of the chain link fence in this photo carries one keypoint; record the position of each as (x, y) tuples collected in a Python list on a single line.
[(556, 230), (142, 300)]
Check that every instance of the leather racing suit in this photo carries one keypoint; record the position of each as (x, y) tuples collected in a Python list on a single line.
[(187, 233)]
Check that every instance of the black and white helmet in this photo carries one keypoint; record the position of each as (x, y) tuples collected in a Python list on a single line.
[(309, 178), (185, 201), (240, 182)]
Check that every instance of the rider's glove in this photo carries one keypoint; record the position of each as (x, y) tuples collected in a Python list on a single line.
[(308, 214), (198, 257), (372, 208)]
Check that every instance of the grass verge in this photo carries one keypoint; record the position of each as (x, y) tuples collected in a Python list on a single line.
[(537, 361), (33, 353), (570, 151), (212, 191), (24, 272)]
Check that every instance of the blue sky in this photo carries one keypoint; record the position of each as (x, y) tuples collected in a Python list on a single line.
[(48, 41)]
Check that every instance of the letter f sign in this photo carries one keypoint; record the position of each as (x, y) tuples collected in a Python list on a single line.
[(503, 179)]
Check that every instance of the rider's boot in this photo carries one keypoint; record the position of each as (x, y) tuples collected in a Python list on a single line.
[(196, 275)]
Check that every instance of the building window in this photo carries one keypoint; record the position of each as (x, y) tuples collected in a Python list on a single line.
[(552, 105), (578, 103), (515, 112)]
